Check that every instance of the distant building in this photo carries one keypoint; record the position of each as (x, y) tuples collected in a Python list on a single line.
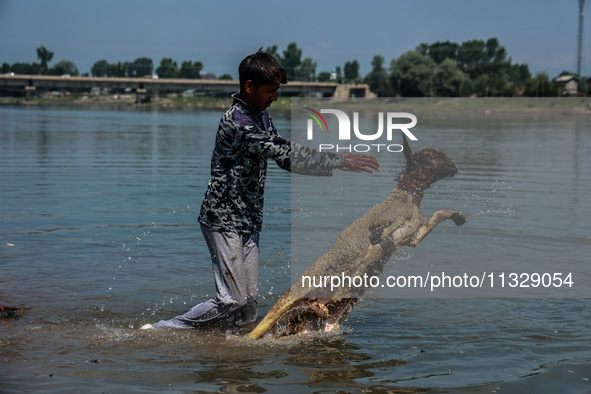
[(569, 86), (333, 75)]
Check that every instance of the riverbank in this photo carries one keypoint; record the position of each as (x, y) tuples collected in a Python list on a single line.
[(129, 100), (432, 106), (478, 106)]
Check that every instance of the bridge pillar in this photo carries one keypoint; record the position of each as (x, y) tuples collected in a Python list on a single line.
[(139, 95), (29, 90), (353, 90)]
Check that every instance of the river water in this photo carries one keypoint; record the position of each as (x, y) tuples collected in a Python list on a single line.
[(98, 236)]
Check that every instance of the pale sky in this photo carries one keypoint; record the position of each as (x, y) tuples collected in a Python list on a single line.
[(540, 33)]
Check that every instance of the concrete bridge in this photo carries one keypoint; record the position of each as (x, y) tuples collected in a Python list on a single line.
[(29, 84)]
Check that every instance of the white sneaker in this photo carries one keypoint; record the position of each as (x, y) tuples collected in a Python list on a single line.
[(147, 326)]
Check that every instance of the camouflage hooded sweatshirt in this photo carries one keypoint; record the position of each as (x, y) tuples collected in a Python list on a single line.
[(244, 141)]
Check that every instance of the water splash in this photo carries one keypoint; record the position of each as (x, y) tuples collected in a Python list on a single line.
[(493, 199), (501, 211)]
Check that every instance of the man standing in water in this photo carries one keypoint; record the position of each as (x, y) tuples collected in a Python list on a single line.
[(232, 211)]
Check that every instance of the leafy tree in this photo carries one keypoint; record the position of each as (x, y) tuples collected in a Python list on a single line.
[(485, 62), (140, 67), (520, 73), (481, 85), (498, 84), (323, 76), (471, 57), (295, 68), (26, 68), (306, 71), (168, 68), (45, 57), (5, 68), (226, 77), (495, 53), (191, 70), (64, 67), (377, 79), (291, 60), (339, 74), (351, 71), (412, 74), (477, 57), (100, 68), (448, 80), (439, 51), (541, 86), (119, 70)]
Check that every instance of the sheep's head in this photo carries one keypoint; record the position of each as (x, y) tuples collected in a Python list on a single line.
[(422, 169)]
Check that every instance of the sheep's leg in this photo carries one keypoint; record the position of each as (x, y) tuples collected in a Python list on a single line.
[(437, 218), (392, 237)]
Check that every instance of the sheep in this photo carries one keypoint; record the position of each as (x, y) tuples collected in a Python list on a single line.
[(361, 249)]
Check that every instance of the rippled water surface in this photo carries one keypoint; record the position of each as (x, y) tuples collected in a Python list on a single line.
[(98, 236)]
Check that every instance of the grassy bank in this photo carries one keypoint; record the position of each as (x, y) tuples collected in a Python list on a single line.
[(129, 100), (498, 105), (423, 106)]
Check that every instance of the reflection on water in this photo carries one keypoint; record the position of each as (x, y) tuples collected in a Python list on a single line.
[(98, 236)]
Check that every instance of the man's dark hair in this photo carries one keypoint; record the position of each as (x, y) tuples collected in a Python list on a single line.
[(261, 68)]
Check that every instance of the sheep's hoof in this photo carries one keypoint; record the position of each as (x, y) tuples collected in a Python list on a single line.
[(458, 218)]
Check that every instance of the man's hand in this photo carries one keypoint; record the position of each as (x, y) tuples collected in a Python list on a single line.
[(359, 162)]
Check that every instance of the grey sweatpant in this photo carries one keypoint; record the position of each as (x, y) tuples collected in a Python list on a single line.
[(235, 261)]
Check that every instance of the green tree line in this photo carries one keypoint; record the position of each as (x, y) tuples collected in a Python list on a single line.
[(440, 69), (143, 66), (138, 68), (448, 69), (45, 56)]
